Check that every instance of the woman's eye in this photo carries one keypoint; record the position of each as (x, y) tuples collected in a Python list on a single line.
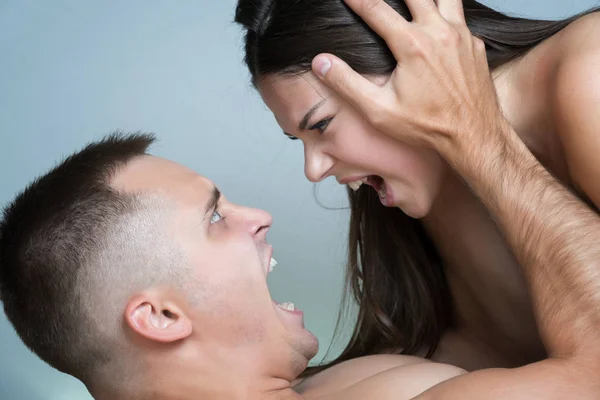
[(216, 217), (321, 125)]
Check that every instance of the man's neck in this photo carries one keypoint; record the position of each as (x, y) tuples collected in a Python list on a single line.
[(195, 372), (224, 393), (192, 385)]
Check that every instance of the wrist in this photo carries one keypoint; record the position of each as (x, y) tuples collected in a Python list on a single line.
[(482, 152)]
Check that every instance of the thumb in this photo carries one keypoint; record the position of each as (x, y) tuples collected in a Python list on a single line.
[(348, 84)]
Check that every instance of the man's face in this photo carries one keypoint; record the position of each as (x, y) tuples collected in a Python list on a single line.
[(225, 248)]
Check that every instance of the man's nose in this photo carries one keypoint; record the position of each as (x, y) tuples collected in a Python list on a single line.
[(254, 221)]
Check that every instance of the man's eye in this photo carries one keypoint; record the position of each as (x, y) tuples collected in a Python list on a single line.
[(216, 217)]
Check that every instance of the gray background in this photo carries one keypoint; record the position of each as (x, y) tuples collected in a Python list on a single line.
[(71, 71)]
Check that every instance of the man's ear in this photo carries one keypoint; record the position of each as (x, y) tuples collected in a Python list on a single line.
[(152, 316)]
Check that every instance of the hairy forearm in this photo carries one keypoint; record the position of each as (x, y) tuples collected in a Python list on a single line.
[(554, 235)]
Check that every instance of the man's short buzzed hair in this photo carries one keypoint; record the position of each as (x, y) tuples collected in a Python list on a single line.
[(51, 235)]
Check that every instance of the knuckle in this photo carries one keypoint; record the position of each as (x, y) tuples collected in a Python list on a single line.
[(376, 118), (449, 36), (479, 45), (344, 82), (379, 114), (369, 5), (390, 24), (416, 47)]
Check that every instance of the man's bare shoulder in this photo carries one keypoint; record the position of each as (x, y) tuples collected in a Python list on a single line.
[(350, 372), (399, 383), (377, 374)]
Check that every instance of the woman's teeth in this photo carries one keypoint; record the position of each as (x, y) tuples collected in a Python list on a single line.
[(381, 189), (272, 264), (355, 185), (287, 306)]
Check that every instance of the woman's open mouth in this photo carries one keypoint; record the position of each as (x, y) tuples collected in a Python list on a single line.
[(380, 186)]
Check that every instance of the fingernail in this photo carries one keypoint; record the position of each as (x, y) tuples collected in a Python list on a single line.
[(322, 65)]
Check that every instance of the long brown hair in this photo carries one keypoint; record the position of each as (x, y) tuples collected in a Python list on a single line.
[(394, 271)]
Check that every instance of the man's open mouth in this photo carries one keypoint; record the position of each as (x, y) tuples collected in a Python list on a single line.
[(287, 306)]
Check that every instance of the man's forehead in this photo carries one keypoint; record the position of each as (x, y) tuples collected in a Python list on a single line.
[(155, 174)]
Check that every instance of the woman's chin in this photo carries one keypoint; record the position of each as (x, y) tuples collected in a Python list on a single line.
[(416, 211)]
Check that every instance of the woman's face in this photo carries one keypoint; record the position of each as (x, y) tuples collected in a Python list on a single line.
[(339, 142)]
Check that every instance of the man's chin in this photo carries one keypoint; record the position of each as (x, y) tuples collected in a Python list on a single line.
[(305, 342), (313, 347), (306, 345)]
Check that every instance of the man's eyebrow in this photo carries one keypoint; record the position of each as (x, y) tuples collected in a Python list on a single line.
[(304, 122), (211, 205)]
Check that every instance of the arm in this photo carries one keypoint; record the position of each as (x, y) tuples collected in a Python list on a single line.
[(553, 233), (555, 236)]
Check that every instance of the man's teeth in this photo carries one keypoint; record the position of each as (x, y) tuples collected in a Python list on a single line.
[(355, 185), (288, 306), (272, 264)]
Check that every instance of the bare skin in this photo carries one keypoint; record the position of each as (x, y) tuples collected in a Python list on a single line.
[(494, 310), (538, 95), (557, 254), (403, 377), (497, 326), (197, 349), (557, 251)]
